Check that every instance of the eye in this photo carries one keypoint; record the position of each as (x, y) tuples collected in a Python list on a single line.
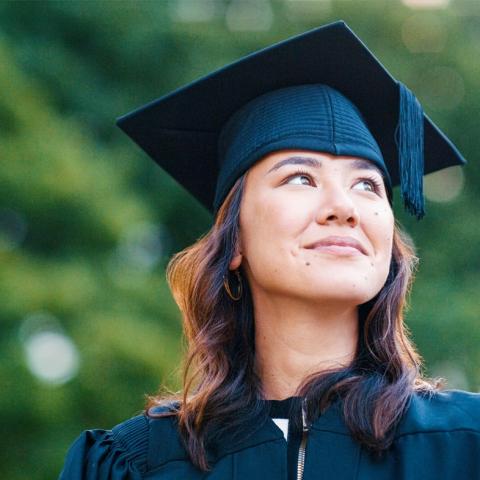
[(301, 175), (368, 185)]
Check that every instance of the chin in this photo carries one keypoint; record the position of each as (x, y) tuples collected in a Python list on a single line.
[(348, 278), (351, 290), (353, 298)]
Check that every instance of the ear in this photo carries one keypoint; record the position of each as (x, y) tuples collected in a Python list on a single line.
[(235, 262), (237, 258)]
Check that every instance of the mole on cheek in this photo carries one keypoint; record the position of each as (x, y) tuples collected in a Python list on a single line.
[(307, 264), (376, 213)]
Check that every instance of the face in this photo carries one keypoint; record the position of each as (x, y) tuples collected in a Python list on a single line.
[(315, 226)]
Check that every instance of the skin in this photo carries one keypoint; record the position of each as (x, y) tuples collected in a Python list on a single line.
[(306, 300)]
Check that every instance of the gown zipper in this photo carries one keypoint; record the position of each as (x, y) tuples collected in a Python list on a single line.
[(303, 444)]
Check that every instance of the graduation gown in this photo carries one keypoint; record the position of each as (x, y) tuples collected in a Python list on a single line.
[(438, 437)]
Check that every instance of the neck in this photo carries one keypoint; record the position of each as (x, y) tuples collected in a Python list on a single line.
[(294, 339)]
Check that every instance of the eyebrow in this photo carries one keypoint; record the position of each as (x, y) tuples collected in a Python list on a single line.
[(358, 164), (310, 161)]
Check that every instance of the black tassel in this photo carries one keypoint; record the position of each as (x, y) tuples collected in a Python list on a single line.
[(410, 151)]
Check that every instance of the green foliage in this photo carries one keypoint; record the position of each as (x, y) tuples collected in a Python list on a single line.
[(77, 200)]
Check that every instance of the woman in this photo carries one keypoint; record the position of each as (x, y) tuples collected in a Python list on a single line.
[(299, 364)]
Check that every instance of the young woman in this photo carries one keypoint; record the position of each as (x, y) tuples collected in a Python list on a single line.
[(299, 363)]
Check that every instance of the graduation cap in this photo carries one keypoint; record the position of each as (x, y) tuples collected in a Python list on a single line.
[(322, 90)]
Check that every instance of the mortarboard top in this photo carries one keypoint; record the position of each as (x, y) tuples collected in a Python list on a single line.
[(181, 130)]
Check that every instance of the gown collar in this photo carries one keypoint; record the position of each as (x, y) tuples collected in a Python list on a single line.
[(267, 431)]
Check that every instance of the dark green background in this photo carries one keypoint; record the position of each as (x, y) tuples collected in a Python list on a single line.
[(88, 222)]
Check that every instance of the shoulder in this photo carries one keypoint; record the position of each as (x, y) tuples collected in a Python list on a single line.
[(124, 451), (151, 438), (442, 411)]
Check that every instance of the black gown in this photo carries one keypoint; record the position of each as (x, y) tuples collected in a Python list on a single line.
[(437, 438)]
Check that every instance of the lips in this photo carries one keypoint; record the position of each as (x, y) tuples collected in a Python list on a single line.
[(338, 241)]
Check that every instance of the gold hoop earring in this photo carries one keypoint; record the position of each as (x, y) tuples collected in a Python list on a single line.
[(239, 288)]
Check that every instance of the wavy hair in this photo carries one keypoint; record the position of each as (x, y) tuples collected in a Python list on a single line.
[(221, 386)]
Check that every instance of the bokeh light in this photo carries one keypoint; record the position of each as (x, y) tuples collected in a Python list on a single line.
[(193, 11), (306, 9), (444, 185), (420, 4), (50, 355), (424, 33), (140, 249), (249, 15)]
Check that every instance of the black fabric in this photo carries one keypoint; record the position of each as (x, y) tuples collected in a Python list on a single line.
[(180, 131), (438, 437), (312, 117), (286, 409)]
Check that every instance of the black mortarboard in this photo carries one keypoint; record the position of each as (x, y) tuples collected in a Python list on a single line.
[(321, 90)]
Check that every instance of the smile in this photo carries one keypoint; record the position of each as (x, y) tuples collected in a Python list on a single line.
[(338, 245), (339, 250)]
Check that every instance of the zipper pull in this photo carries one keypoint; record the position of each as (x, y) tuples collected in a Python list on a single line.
[(304, 416)]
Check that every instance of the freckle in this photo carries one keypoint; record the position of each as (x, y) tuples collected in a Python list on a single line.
[(376, 213), (307, 264), (371, 264)]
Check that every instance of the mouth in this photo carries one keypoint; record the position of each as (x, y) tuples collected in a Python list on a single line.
[(337, 245), (338, 250)]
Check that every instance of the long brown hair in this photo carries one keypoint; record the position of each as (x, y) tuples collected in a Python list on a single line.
[(221, 388)]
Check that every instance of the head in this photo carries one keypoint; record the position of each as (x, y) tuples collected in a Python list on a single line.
[(298, 207)]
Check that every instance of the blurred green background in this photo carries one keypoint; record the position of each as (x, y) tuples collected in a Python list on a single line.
[(88, 222)]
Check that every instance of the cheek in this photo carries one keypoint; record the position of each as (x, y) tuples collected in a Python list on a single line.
[(273, 222), (378, 225)]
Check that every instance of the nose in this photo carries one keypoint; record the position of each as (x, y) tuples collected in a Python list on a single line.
[(336, 206)]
